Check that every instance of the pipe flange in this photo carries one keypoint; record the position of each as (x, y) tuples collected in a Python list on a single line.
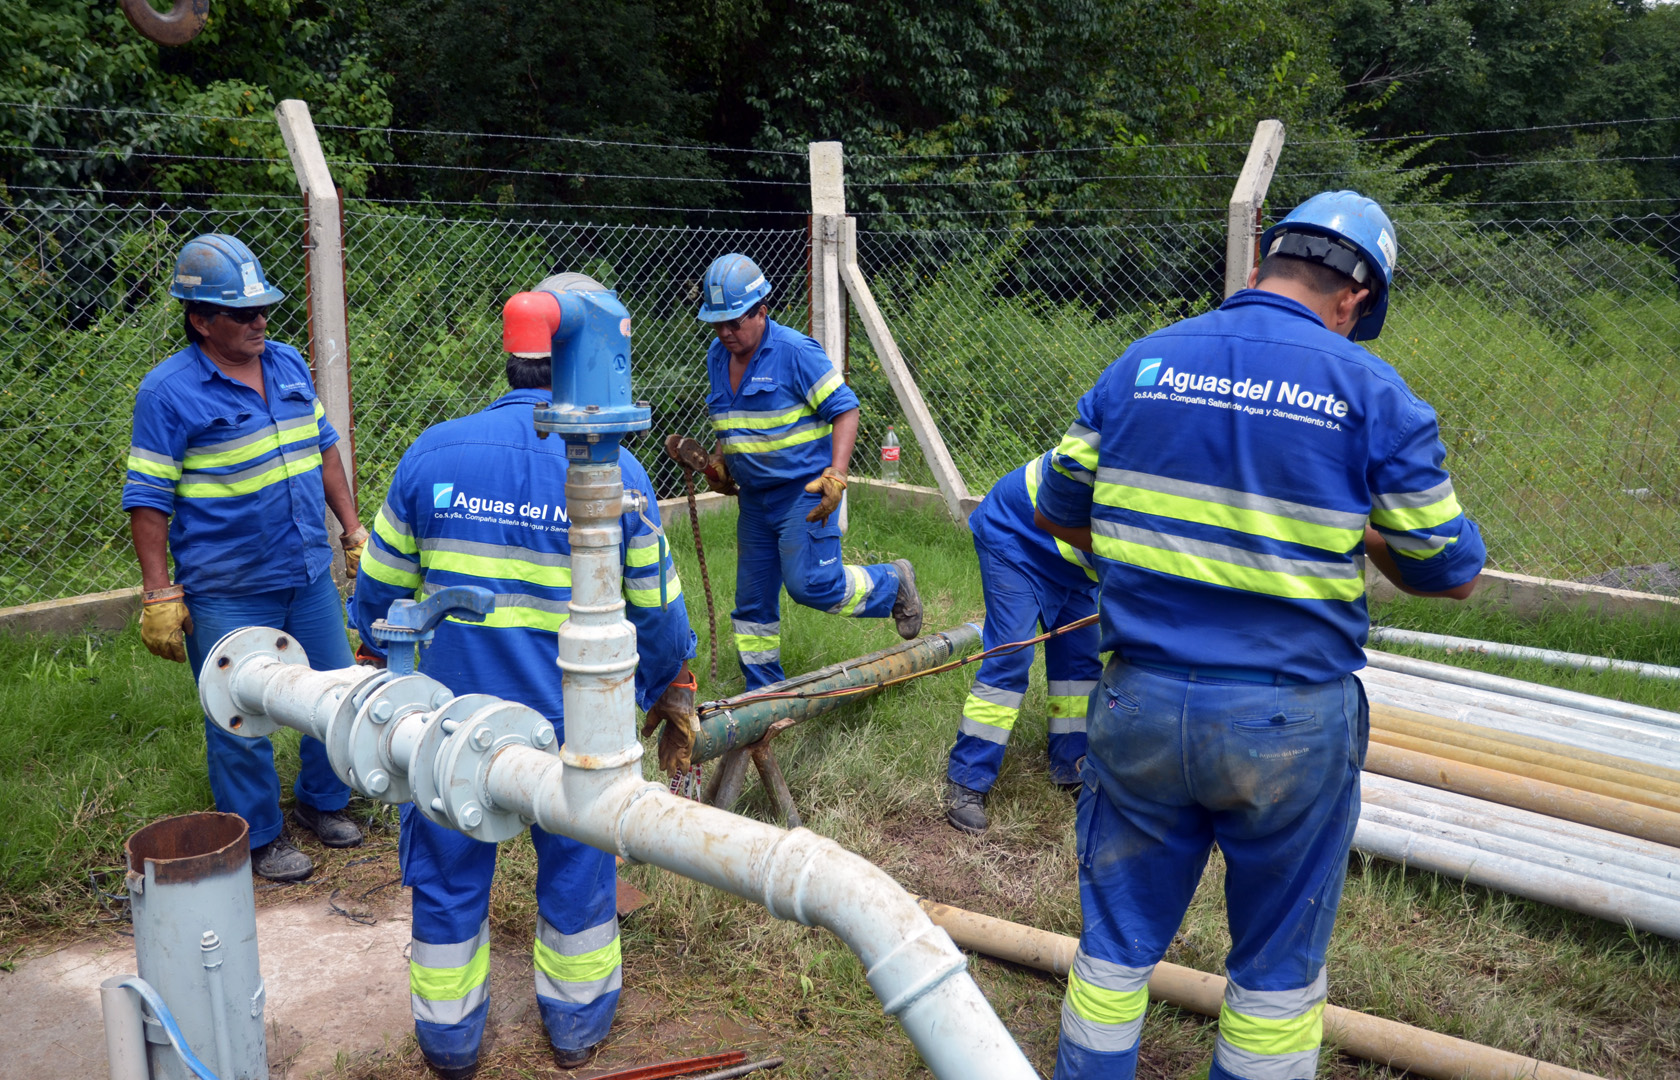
[(463, 767), (422, 771), (372, 768), (233, 652)]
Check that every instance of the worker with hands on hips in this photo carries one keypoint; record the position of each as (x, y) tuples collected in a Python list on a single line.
[(437, 528), (1232, 473), (1029, 579), (232, 467), (785, 424)]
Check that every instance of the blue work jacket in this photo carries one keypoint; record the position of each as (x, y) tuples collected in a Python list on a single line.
[(1003, 523), (1227, 466), (240, 476), (778, 426), (482, 501)]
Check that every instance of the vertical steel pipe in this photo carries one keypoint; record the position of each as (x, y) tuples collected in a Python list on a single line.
[(125, 1030)]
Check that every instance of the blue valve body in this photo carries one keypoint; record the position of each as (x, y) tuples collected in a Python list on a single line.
[(592, 406)]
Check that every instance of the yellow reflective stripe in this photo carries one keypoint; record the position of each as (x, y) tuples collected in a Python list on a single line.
[(514, 616), (648, 596), (1423, 553), (584, 967), (857, 584), (1235, 518), (320, 410), (1073, 705), (810, 434), (824, 387), (152, 468), (989, 713), (485, 566), (1219, 572), (1262, 1036), (1079, 450), (755, 643), (450, 984), (726, 421), (282, 470), (1412, 519), (644, 555), (1102, 1006), (383, 529), (250, 452)]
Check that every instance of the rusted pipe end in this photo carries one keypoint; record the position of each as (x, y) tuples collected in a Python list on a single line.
[(190, 847), (177, 26)]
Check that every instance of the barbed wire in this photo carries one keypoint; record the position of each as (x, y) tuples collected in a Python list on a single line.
[(157, 194), (119, 153), (132, 111), (570, 139), (569, 206), (1042, 180), (559, 175)]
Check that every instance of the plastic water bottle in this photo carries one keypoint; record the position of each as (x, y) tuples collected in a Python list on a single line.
[(889, 457)]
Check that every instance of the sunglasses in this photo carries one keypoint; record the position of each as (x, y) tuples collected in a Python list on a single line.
[(245, 316), (732, 324)]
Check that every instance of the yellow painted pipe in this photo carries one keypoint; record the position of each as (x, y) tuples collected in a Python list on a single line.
[(1388, 1042), (1507, 744), (1553, 800)]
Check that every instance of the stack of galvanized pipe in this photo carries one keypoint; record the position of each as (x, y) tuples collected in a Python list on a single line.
[(1563, 798)]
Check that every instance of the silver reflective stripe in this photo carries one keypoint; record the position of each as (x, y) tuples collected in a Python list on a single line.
[(1107, 975), (764, 436), (1101, 1038), (767, 656), (725, 418), (1255, 560), (395, 521), (1408, 542), (1277, 1004), (584, 941), (402, 564), (1009, 699), (286, 457), (1067, 725), (1243, 500), (1302, 1065), (233, 444), (1072, 687), (161, 485), (1085, 435), (987, 732), (578, 993), (449, 1012), (1412, 500), (645, 540), (596, 937), (297, 422), (497, 551), (757, 629), (147, 455), (453, 955)]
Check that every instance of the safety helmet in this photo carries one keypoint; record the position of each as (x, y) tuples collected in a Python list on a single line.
[(733, 286), (1348, 232), (219, 269)]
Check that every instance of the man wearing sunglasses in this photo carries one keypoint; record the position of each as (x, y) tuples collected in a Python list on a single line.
[(231, 470)]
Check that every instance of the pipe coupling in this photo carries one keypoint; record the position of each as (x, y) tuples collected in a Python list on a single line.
[(918, 965)]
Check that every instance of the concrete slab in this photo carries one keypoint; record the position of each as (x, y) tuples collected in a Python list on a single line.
[(334, 987)]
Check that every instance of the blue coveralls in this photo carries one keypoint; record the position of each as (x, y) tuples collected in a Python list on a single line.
[(481, 501), (1227, 466), (239, 473), (1030, 579), (777, 433)]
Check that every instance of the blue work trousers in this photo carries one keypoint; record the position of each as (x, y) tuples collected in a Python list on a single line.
[(576, 953), (774, 546), (1179, 761), (242, 775), (1019, 600)]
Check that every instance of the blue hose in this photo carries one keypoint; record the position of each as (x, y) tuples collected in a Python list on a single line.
[(153, 999)]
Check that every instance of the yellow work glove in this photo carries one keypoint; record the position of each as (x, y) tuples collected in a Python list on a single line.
[(354, 543), (717, 476), (676, 708), (165, 623), (831, 486)]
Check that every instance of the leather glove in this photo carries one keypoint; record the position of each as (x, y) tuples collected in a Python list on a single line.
[(831, 486), (354, 543), (165, 622), (676, 708), (718, 478), (686, 451)]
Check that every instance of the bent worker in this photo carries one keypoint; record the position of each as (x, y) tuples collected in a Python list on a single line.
[(1029, 579), (231, 470), (785, 424), (1223, 471), (428, 536)]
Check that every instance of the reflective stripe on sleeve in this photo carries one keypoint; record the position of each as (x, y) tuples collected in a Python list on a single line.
[(577, 968), (390, 567), (389, 526), (1072, 554), (447, 982), (1416, 547), (1080, 445), (1410, 511), (1229, 508), (823, 388), (150, 463), (1221, 564), (645, 593)]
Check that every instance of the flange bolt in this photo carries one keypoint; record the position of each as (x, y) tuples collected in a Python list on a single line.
[(543, 736), (378, 782), (471, 815)]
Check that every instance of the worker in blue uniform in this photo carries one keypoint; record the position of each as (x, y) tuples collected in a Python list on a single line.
[(1232, 474), (231, 469), (1029, 579), (481, 500), (785, 425)]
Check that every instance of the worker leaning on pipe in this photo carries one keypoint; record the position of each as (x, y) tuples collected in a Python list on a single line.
[(785, 424), (1029, 579), (1227, 473), (231, 470), (481, 500)]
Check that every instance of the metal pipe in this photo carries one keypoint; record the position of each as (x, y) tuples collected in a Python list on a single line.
[(125, 1030), (746, 718), (1400, 1046), (211, 947), (1385, 635)]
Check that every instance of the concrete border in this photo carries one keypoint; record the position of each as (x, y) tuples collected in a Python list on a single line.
[(1526, 597)]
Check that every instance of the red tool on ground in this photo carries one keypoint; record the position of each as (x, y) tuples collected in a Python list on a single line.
[(676, 1068)]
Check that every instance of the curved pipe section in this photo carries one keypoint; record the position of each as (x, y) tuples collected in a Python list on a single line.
[(177, 26)]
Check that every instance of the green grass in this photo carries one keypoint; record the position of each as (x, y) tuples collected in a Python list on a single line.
[(703, 969)]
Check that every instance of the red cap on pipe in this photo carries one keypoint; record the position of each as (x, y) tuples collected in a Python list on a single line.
[(529, 320)]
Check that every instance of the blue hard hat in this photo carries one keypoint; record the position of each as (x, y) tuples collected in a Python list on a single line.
[(219, 269), (1348, 232), (733, 286)]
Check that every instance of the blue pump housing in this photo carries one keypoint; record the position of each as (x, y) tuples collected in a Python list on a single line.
[(592, 408)]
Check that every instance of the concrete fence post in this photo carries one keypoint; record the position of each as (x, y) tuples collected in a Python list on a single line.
[(828, 209), (1243, 216)]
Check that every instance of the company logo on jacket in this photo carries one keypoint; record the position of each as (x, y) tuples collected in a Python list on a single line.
[(1148, 371), (442, 496)]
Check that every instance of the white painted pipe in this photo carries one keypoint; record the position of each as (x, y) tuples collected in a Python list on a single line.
[(1387, 635), (1499, 684), (125, 1030), (1559, 888)]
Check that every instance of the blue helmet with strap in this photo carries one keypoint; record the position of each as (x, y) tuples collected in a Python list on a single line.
[(219, 269), (733, 285), (1347, 232)]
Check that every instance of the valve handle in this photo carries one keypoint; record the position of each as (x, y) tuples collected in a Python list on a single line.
[(418, 618)]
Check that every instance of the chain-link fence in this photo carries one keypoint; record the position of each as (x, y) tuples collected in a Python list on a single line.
[(1548, 347)]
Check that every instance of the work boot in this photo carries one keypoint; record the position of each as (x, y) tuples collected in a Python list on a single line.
[(571, 1059), (907, 606), (334, 827), (278, 860), (452, 1072), (966, 808)]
